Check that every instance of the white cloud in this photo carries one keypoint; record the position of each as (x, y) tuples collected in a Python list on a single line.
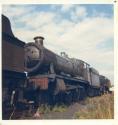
[(15, 11), (66, 7), (79, 13), (80, 39), (39, 19)]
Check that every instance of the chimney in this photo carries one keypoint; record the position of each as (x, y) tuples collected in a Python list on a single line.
[(39, 40)]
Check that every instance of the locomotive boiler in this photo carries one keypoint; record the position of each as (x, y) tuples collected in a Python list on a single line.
[(39, 60)]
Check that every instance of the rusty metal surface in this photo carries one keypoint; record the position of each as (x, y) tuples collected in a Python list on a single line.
[(12, 49), (12, 57), (42, 83)]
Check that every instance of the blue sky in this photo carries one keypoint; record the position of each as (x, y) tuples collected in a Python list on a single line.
[(84, 31)]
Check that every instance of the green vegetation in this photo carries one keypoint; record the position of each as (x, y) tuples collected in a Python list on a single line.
[(44, 108), (97, 108), (57, 108)]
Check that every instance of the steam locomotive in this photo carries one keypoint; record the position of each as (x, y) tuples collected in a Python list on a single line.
[(54, 78), (32, 73)]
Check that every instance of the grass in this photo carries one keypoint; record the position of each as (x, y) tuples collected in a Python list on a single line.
[(44, 108), (57, 108), (101, 107), (97, 108)]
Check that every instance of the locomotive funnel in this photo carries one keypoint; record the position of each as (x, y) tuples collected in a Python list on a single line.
[(39, 40)]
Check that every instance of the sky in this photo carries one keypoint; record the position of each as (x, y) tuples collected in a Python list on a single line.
[(83, 31)]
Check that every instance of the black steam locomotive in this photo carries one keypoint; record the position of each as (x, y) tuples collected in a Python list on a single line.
[(50, 78), (53, 78)]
